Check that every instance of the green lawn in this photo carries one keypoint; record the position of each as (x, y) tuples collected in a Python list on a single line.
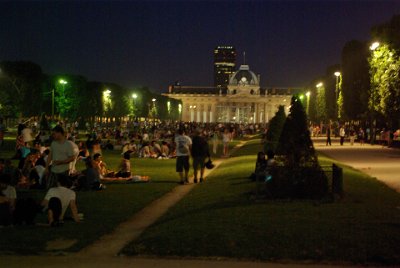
[(103, 210), (219, 219)]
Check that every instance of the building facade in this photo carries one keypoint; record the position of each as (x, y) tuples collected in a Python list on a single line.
[(224, 65), (244, 101)]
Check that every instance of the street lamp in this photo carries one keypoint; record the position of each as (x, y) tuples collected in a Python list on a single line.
[(63, 83), (106, 99), (320, 84), (154, 110), (134, 97), (374, 46), (338, 76), (308, 94)]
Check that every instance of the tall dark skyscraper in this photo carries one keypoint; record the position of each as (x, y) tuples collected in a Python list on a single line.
[(224, 65)]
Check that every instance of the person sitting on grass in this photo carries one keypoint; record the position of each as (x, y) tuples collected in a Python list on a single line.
[(156, 149), (90, 179), (164, 150), (57, 200), (8, 196), (145, 150), (101, 166), (125, 166), (261, 166)]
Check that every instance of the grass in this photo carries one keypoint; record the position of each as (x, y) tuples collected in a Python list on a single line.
[(219, 219), (103, 210)]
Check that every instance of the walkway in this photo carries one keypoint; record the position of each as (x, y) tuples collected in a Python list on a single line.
[(111, 244), (380, 162)]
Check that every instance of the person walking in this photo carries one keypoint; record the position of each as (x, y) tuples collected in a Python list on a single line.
[(200, 152), (62, 155), (361, 136), (328, 136), (183, 147), (352, 136), (226, 138), (342, 134)]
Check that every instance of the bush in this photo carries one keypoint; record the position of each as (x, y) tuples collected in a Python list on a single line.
[(302, 182), (301, 176)]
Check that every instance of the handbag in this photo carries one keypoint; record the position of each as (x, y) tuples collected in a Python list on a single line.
[(209, 164)]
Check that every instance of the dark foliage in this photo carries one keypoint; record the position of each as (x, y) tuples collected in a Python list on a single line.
[(301, 176), (275, 129)]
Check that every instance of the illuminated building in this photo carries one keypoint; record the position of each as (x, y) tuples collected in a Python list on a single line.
[(224, 65)]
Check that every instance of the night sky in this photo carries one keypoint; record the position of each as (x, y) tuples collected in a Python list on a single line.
[(156, 43)]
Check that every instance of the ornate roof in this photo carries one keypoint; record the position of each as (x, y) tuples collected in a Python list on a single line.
[(244, 76)]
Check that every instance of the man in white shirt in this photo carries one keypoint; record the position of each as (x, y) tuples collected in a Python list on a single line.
[(57, 200), (62, 155), (183, 147)]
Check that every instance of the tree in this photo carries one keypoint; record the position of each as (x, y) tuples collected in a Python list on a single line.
[(302, 176), (321, 112), (355, 80), (295, 141), (384, 71), (22, 81), (275, 127), (384, 96), (68, 94)]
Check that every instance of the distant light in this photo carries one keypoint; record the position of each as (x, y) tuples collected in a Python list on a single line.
[(301, 96), (62, 81), (106, 93), (320, 84), (134, 95), (337, 73), (153, 100), (308, 93), (374, 46)]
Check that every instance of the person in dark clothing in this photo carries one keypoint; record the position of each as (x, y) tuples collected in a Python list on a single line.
[(328, 136), (200, 152)]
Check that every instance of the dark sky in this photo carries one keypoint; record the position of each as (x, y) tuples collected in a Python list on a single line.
[(153, 44)]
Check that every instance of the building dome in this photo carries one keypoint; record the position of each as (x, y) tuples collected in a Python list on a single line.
[(244, 77)]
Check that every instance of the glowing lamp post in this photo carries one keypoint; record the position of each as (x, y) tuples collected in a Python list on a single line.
[(106, 100), (337, 93), (63, 83), (154, 110), (134, 97), (308, 94)]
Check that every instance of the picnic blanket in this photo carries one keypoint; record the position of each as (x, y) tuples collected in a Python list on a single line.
[(132, 179)]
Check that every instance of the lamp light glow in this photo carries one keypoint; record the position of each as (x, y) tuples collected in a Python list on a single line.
[(374, 46)]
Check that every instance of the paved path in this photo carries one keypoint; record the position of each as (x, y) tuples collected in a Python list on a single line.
[(380, 162), (111, 244), (115, 262)]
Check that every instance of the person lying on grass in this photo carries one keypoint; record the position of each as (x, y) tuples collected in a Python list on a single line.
[(57, 200)]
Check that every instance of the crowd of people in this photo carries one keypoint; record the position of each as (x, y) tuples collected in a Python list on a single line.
[(353, 133), (47, 160)]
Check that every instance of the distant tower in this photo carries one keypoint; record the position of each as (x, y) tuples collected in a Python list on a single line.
[(224, 65)]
